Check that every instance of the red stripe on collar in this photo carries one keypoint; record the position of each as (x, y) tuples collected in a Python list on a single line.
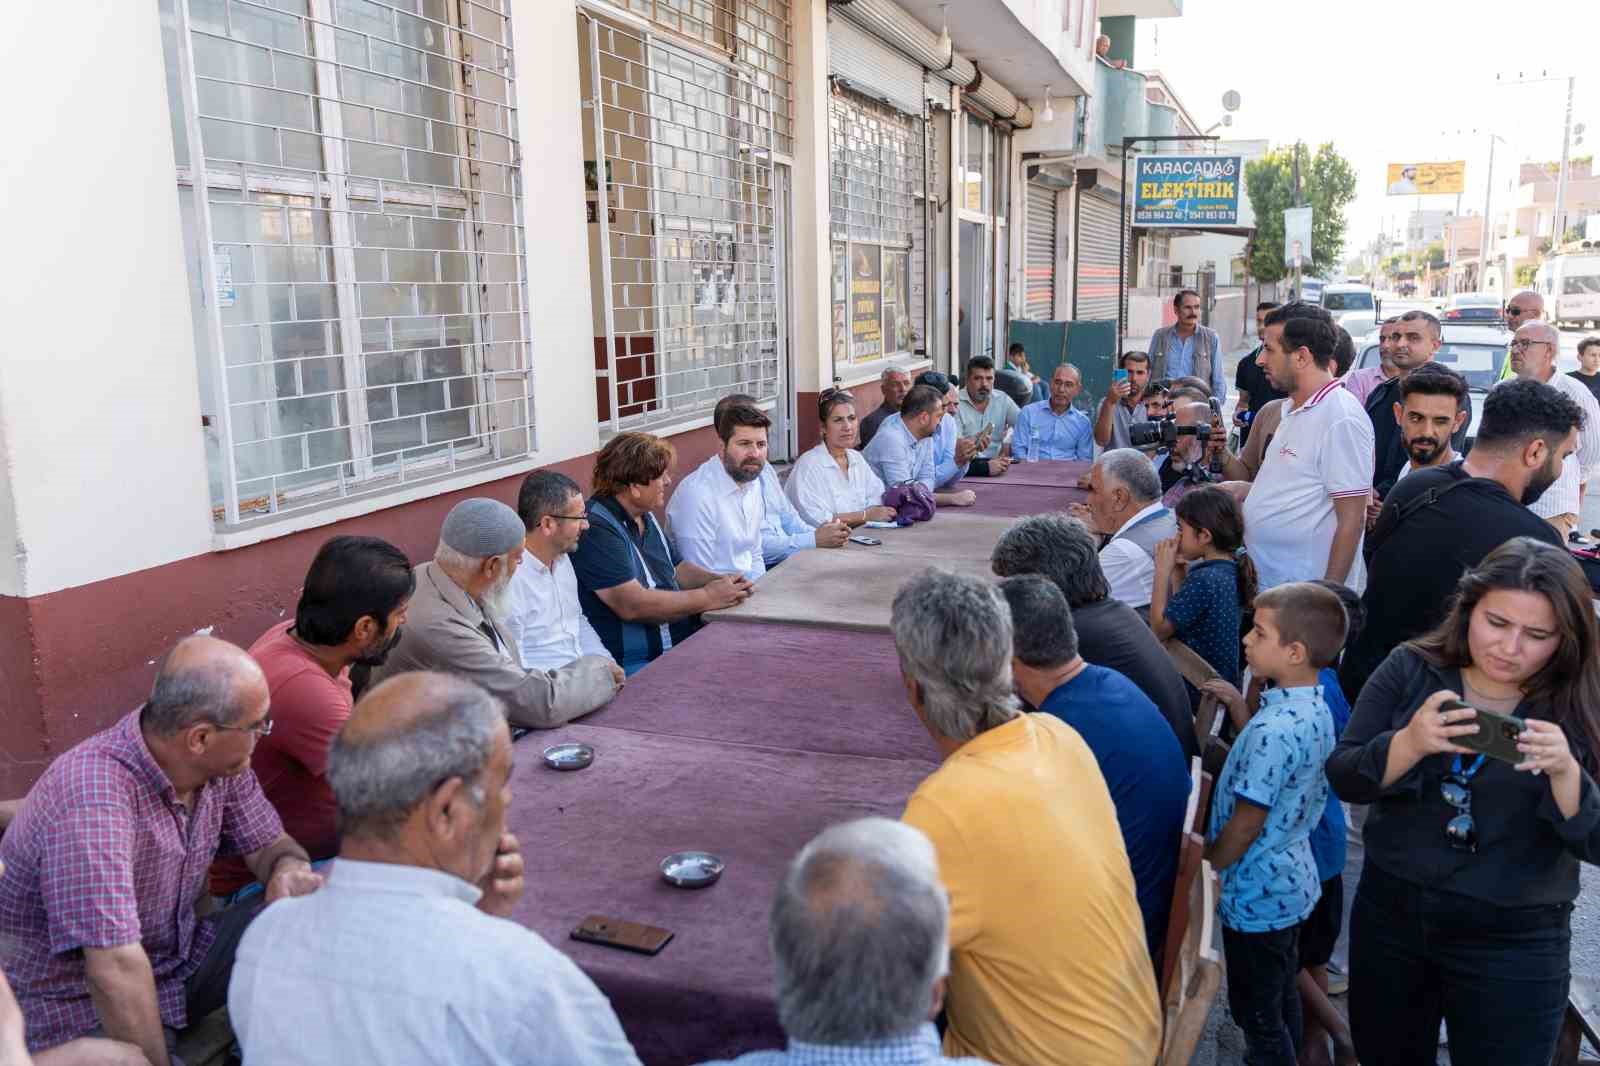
[(1317, 396)]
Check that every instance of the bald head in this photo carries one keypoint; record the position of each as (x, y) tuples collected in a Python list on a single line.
[(403, 739), (1525, 306), (203, 679)]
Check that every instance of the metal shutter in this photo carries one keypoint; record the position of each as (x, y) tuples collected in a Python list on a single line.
[(872, 67), (1039, 268), (1096, 293)]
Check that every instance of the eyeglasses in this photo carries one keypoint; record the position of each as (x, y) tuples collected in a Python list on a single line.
[(568, 517), (1461, 831), (1522, 345), (262, 728)]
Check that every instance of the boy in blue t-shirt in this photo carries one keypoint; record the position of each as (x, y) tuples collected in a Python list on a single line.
[(1272, 792)]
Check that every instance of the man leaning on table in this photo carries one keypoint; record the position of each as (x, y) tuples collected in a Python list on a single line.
[(902, 450), (406, 956), (1048, 957), (860, 936), (979, 409), (456, 622), (1052, 429)]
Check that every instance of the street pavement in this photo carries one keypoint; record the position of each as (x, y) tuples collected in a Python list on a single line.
[(1223, 1043)]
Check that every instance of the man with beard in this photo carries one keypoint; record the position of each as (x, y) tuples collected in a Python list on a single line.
[(350, 613), (1533, 358), (717, 513), (457, 623), (1439, 523), (980, 409), (1418, 343), (1433, 407)]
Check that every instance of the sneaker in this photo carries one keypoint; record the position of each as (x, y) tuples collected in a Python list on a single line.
[(1338, 981)]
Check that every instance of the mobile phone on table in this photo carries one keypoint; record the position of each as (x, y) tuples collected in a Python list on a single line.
[(616, 933), (1497, 733), (871, 542)]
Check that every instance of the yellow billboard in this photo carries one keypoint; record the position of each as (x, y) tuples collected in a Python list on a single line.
[(1426, 179)]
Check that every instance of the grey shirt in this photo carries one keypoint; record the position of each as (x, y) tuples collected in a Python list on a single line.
[(1121, 418), (395, 964), (1000, 414), (446, 630)]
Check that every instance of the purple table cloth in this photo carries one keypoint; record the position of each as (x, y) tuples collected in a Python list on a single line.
[(1053, 473), (998, 498), (593, 840)]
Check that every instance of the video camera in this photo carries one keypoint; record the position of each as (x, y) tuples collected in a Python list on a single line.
[(1164, 432)]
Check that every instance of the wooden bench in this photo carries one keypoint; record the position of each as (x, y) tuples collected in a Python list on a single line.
[(1583, 1014)]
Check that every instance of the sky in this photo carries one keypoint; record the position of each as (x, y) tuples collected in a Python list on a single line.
[(1392, 81)]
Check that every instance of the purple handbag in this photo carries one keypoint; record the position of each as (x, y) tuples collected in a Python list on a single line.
[(912, 502)]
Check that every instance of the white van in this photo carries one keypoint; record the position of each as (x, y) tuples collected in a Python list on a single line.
[(1352, 306), (1570, 285)]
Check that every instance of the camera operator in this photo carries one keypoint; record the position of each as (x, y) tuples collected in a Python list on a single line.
[(1186, 462)]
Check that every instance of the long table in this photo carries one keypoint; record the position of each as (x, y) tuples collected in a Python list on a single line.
[(745, 740)]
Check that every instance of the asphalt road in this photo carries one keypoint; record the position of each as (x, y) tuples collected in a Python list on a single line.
[(1223, 1044)]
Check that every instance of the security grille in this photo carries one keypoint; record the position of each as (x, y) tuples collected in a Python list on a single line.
[(356, 242), (689, 277), (1097, 238), (877, 204), (1039, 272)]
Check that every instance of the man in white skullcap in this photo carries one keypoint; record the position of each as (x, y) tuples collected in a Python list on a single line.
[(454, 624)]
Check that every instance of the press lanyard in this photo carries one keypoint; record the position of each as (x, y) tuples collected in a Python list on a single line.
[(1455, 767)]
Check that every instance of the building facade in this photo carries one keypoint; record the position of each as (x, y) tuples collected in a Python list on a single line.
[(360, 259)]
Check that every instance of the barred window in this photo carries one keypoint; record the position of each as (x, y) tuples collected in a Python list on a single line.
[(349, 184)]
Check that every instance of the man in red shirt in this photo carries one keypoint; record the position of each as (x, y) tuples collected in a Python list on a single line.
[(350, 612)]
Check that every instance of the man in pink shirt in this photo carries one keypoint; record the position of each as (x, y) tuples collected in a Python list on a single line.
[(1362, 382), (350, 613)]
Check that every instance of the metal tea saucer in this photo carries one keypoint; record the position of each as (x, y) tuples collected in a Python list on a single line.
[(568, 756), (691, 869)]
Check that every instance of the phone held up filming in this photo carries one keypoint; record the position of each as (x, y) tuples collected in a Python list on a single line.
[(1497, 733)]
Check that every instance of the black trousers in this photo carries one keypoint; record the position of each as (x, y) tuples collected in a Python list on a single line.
[(1496, 975), (1262, 995)]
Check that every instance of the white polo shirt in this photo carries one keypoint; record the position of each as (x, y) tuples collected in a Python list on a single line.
[(716, 522), (1322, 452)]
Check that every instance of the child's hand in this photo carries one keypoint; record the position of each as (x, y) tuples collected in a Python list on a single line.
[(1225, 693), (1166, 555)]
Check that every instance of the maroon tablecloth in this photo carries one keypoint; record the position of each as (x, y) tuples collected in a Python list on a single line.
[(593, 840), (999, 499), (1054, 473)]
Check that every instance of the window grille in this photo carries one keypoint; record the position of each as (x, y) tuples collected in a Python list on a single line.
[(362, 323), (688, 282)]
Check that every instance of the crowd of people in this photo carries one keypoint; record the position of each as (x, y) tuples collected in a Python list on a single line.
[(259, 829)]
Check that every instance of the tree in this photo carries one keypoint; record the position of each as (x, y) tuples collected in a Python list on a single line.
[(1433, 255), (1328, 184)]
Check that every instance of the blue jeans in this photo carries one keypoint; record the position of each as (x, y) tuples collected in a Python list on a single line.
[(1262, 994), (255, 888), (1497, 975)]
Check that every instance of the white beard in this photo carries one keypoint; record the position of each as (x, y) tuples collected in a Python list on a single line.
[(498, 599)]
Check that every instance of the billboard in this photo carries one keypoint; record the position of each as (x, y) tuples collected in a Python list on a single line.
[(1296, 236), (1426, 179), (1187, 190)]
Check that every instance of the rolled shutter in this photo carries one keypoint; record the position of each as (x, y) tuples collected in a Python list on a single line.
[(873, 68), (1039, 269), (1096, 292)]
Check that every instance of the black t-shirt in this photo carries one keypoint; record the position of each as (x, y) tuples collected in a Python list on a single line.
[(1388, 449), (1590, 381), (1111, 634), (1414, 565), (1252, 379)]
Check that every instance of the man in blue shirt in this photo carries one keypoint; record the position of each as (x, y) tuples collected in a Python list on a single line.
[(1188, 349), (1139, 757), (903, 448), (1053, 429), (952, 453), (860, 936)]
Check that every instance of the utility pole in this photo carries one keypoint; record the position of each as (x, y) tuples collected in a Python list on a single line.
[(1483, 239), (1559, 230)]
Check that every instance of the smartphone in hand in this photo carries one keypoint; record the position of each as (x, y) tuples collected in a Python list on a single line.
[(1497, 733)]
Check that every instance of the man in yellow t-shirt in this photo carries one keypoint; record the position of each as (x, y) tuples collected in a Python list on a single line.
[(1048, 957)]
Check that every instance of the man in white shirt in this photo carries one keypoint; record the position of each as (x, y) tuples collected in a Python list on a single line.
[(1305, 513), (1533, 356), (544, 620), (717, 512), (1125, 507), (421, 774)]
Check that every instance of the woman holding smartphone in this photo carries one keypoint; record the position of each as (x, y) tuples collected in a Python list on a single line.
[(1465, 902), (834, 480)]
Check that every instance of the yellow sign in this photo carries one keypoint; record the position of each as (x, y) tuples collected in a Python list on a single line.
[(1426, 179)]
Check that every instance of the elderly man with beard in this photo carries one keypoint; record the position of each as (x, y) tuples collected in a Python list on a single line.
[(456, 623), (1440, 522), (1533, 358)]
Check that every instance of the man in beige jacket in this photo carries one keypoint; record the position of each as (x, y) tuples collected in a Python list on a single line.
[(454, 624)]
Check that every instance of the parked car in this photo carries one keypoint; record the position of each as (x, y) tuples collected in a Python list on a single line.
[(1476, 352), (1352, 306), (1474, 307)]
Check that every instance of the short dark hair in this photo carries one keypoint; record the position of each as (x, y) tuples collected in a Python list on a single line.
[(1435, 379), (544, 492), (1015, 347), (1355, 612), (935, 379), (1517, 411), (1344, 352), (630, 459), (1306, 326), (1177, 299), (721, 410), (1132, 357), (979, 362), (920, 399), (1587, 343), (1267, 305), (1418, 315), (351, 578), (1192, 386), (1042, 635), (742, 416), (1309, 615)]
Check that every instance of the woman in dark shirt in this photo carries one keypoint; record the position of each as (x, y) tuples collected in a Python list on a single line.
[(1465, 901)]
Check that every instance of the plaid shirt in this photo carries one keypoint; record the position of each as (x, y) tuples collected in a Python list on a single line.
[(101, 855), (919, 1048)]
